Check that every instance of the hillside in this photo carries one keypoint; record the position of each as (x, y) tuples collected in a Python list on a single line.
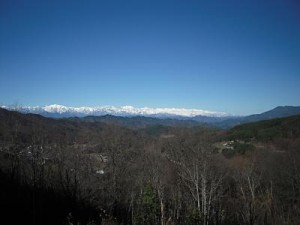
[(278, 112), (137, 122), (17, 128), (268, 130)]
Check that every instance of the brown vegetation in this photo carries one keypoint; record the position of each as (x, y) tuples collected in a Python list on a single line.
[(74, 172)]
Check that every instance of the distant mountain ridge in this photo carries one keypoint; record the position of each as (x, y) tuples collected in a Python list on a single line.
[(60, 111), (128, 115)]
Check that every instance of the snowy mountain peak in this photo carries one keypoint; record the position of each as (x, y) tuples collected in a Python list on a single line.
[(56, 110)]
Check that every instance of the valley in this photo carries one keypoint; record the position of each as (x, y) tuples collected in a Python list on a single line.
[(138, 170)]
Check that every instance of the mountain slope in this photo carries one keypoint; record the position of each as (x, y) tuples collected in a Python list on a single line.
[(137, 121), (266, 130), (23, 128), (278, 112)]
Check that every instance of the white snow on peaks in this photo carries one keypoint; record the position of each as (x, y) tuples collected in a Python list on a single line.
[(117, 111), (55, 108)]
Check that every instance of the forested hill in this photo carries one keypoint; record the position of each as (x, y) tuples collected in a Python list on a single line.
[(24, 128), (137, 122), (268, 130)]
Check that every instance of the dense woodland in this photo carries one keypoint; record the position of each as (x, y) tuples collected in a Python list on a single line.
[(72, 171)]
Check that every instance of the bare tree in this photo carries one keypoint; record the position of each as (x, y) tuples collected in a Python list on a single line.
[(196, 167)]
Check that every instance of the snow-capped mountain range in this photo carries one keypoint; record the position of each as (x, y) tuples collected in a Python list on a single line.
[(59, 111)]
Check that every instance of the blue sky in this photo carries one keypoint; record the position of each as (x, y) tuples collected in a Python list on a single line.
[(240, 57)]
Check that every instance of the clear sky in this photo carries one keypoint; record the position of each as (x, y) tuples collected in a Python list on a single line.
[(240, 57)]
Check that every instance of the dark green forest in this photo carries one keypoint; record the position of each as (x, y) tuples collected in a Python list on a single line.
[(74, 171)]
